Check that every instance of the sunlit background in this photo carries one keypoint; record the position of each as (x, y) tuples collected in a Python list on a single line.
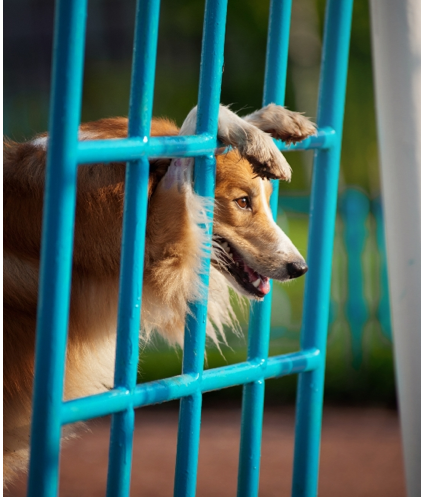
[(359, 360)]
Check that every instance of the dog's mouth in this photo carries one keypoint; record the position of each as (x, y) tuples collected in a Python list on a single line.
[(229, 261)]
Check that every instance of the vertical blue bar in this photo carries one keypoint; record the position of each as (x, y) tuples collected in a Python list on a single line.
[(205, 172), (354, 207), (259, 327), (277, 52), (322, 226), (133, 244), (57, 244)]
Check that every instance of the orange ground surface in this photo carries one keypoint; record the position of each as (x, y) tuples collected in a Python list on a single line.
[(361, 454)]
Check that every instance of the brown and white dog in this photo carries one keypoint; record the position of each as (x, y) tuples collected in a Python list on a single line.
[(248, 249)]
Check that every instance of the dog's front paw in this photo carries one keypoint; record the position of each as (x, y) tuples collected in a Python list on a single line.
[(281, 123), (253, 144), (296, 127)]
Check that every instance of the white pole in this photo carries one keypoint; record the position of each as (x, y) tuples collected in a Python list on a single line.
[(396, 39)]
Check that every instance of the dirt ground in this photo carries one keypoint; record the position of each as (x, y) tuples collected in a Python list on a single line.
[(361, 454)]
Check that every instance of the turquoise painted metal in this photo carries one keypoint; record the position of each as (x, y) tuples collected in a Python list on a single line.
[(354, 208), (57, 246), (179, 386), (65, 153), (212, 63), (133, 245), (331, 106), (127, 149), (259, 321)]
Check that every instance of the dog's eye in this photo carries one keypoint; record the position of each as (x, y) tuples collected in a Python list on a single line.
[(243, 202)]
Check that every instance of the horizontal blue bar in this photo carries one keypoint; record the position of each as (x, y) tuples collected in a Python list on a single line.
[(129, 149), (179, 386), (325, 139)]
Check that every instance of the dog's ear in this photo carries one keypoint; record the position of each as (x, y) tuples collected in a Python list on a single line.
[(157, 169)]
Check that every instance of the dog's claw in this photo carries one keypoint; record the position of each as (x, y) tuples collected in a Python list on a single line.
[(283, 124)]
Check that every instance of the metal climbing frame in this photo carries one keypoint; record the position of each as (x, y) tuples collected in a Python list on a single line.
[(50, 413)]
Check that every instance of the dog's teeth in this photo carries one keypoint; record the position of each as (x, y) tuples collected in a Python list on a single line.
[(256, 283), (226, 247)]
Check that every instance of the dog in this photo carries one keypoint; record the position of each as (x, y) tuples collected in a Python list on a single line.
[(248, 249)]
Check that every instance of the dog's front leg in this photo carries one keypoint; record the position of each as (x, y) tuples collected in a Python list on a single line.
[(251, 142), (251, 136)]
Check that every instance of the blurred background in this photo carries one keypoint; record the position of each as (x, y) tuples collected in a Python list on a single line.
[(359, 361)]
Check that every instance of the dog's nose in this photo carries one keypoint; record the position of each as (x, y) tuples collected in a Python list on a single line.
[(296, 269)]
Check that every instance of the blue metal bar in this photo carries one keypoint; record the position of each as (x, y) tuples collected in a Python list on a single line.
[(57, 246), (259, 326), (322, 226), (212, 60), (325, 139), (354, 208), (133, 244), (49, 411), (277, 52), (129, 149), (253, 402), (186, 384)]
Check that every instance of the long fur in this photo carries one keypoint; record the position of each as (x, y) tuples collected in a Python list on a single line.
[(175, 245)]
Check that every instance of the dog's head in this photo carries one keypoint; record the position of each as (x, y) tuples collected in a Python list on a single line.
[(249, 248)]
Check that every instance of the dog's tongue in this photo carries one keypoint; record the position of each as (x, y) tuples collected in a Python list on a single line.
[(264, 286)]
